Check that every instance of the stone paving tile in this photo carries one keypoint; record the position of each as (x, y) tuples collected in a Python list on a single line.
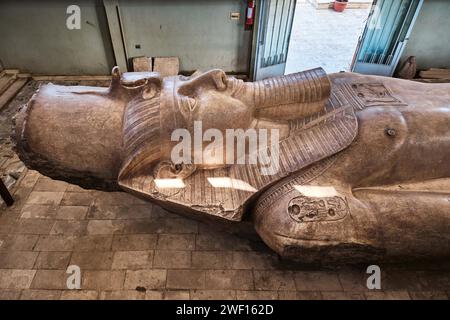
[(320, 281), (220, 241), (114, 199), (387, 295), (254, 260), (276, 280), (77, 198), (256, 295), (93, 243), (212, 260), (353, 280), (96, 227), (93, 260), (79, 295), (176, 295), (30, 179), (17, 259), (154, 295), (176, 242), (173, 259), (103, 280), (134, 242), (40, 295), (69, 227), (122, 295), (132, 260), (339, 295), (9, 294), (179, 225), (18, 242), (32, 226), (213, 294), (38, 211), (71, 212), (55, 243), (16, 279), (50, 279), (148, 279), (185, 279), (47, 184), (428, 295), (229, 280), (45, 197), (52, 260), (300, 295), (120, 212)]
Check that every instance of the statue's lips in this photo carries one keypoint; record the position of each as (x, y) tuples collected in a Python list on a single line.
[(74, 129)]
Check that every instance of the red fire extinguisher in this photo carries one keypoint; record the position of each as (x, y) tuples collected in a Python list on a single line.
[(250, 14)]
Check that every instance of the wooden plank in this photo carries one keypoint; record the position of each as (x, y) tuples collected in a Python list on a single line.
[(11, 71), (435, 73), (432, 80), (71, 78), (6, 81), (11, 92)]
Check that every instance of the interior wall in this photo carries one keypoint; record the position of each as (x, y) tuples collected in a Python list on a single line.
[(201, 33), (429, 39), (34, 38)]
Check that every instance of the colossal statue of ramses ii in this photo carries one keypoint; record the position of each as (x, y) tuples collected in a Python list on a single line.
[(342, 167)]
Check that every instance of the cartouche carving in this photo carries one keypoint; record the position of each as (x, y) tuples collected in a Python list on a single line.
[(362, 168), (309, 209)]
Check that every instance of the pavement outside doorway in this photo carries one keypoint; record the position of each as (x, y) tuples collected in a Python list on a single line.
[(324, 38)]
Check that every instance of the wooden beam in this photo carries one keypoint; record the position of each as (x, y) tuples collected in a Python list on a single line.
[(71, 78), (116, 33), (6, 81), (11, 92), (435, 73)]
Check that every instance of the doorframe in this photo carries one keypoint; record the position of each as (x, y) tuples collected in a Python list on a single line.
[(372, 68), (254, 52), (257, 37)]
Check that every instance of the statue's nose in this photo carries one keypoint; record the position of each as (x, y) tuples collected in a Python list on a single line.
[(214, 79)]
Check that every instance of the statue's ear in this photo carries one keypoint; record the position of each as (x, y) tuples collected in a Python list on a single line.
[(152, 88)]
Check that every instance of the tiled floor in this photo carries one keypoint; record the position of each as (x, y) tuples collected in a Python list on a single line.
[(324, 38), (128, 248)]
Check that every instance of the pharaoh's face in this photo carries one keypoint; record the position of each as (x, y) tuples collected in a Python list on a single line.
[(202, 102), (216, 100)]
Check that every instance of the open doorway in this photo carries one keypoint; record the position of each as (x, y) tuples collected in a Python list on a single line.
[(323, 37)]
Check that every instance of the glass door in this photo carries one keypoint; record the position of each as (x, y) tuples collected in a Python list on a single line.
[(385, 36), (274, 30)]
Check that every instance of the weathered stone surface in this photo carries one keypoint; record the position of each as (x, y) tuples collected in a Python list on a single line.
[(142, 64), (166, 66), (351, 184), (148, 279)]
